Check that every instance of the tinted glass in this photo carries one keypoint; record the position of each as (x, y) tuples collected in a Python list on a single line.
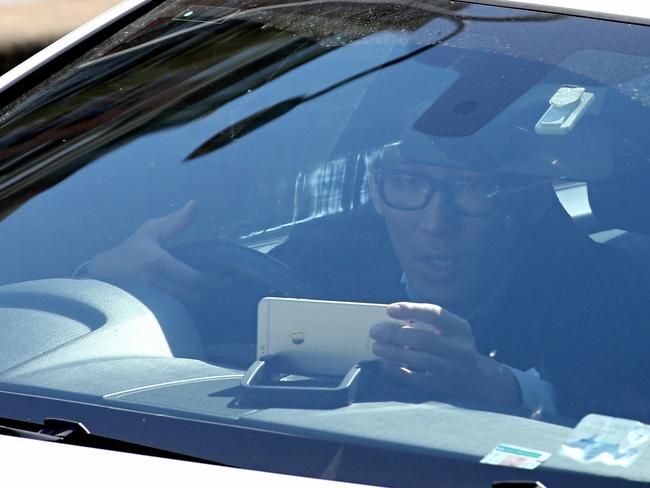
[(485, 166)]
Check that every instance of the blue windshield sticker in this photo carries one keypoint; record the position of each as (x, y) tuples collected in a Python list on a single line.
[(607, 440)]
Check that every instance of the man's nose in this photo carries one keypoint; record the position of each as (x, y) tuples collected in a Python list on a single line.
[(439, 216)]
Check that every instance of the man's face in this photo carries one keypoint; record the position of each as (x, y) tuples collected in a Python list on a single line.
[(450, 258)]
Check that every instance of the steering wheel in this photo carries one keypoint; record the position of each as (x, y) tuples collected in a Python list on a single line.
[(237, 278)]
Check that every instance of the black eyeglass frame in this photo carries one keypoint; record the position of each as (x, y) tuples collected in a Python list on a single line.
[(446, 185)]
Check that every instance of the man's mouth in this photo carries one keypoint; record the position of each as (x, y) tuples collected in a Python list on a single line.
[(442, 262), (441, 265)]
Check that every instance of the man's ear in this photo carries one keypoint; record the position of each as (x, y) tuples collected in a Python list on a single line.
[(377, 202)]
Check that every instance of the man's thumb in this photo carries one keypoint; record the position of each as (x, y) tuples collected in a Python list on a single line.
[(167, 226)]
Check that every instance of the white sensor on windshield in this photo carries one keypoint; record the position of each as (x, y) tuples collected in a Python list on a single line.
[(567, 105)]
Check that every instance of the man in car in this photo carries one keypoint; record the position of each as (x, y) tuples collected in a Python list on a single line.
[(501, 301)]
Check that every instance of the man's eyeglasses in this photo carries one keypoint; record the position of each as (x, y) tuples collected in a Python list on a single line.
[(404, 190)]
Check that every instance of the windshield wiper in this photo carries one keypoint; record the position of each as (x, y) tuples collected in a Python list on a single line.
[(53, 430), (75, 433)]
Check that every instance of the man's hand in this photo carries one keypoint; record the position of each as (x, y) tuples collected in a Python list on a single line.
[(142, 258), (433, 350)]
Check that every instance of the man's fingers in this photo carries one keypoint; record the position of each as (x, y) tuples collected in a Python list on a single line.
[(446, 322), (163, 271), (404, 335), (405, 310), (187, 296), (416, 360), (419, 381), (418, 339), (180, 273), (163, 228)]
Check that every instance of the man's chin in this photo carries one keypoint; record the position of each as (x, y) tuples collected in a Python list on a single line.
[(444, 295)]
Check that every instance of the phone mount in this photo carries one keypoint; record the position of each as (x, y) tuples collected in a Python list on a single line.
[(266, 385)]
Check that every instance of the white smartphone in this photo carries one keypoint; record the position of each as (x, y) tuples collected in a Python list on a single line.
[(317, 337)]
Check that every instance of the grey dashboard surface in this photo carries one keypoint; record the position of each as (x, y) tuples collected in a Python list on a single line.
[(117, 353), (54, 322), (425, 428)]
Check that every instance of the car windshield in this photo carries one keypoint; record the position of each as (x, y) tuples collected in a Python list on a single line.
[(414, 226)]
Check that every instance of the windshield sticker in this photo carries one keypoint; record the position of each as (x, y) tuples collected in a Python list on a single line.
[(606, 440), (515, 457), (203, 14)]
